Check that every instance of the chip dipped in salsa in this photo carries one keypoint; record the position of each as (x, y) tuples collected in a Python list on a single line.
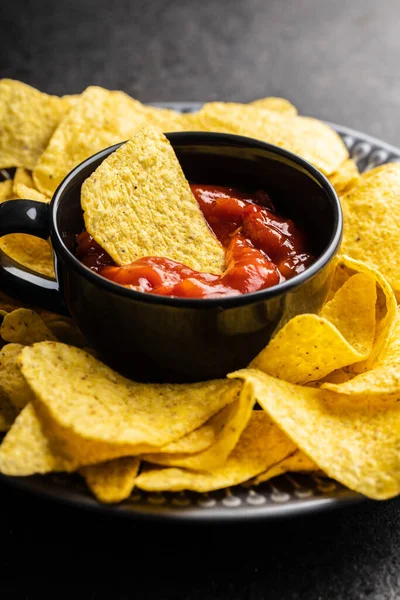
[(262, 249)]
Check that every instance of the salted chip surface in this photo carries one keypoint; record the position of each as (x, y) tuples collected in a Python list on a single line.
[(12, 382), (346, 177), (98, 119), (234, 418), (112, 481), (29, 251), (313, 140), (27, 449), (371, 214), (276, 104), (298, 462), (354, 442), (342, 334), (261, 445), (27, 121), (138, 203), (24, 326), (102, 415)]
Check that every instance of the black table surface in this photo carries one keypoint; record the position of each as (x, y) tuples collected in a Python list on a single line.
[(336, 60)]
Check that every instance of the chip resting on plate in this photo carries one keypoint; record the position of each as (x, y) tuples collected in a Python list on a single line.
[(27, 121), (12, 383), (371, 213), (313, 140), (298, 462), (24, 326), (101, 415), (98, 118), (261, 445), (353, 441), (152, 211), (233, 420), (280, 105), (346, 177), (29, 251), (341, 335), (112, 481)]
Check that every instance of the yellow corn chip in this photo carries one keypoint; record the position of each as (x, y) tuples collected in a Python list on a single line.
[(313, 140), (199, 439), (386, 308), (280, 105), (165, 119), (7, 412), (6, 190), (12, 382), (98, 119), (24, 326), (234, 418), (355, 443), (27, 450), (22, 176), (383, 377), (70, 100), (23, 186), (148, 213), (100, 415), (29, 251), (371, 221), (346, 177), (297, 462), (112, 481), (317, 345), (27, 120), (261, 445)]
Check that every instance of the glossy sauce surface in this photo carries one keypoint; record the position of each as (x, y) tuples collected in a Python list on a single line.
[(262, 250)]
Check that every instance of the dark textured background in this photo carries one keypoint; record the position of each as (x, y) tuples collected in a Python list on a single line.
[(335, 59)]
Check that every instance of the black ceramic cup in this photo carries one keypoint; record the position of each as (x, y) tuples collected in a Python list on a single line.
[(153, 337)]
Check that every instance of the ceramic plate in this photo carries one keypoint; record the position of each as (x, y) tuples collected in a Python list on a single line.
[(282, 496)]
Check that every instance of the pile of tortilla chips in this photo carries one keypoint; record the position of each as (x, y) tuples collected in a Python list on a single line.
[(323, 395)]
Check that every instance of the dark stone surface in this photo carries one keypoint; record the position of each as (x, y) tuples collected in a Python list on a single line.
[(334, 59)]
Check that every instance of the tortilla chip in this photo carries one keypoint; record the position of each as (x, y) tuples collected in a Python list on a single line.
[(12, 382), (386, 308), (148, 213), (261, 445), (313, 140), (234, 418), (29, 251), (27, 450), (6, 190), (27, 120), (7, 412), (24, 326), (345, 178), (372, 221), (297, 462), (112, 481), (383, 377), (70, 100), (280, 105), (343, 334), (98, 119), (355, 443), (100, 415), (198, 440), (165, 119)]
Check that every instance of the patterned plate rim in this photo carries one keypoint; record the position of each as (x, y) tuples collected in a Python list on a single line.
[(224, 505)]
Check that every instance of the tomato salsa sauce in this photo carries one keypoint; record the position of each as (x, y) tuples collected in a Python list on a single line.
[(262, 250)]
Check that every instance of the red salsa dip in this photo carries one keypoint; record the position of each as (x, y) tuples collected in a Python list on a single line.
[(262, 250)]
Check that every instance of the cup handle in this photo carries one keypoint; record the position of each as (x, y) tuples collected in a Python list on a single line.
[(31, 217)]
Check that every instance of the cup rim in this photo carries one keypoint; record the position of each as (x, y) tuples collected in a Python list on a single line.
[(223, 302)]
